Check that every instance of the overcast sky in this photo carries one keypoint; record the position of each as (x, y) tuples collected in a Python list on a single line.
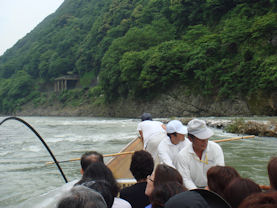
[(18, 17)]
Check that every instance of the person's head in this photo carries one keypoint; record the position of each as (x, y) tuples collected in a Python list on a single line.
[(163, 192), (198, 134), (146, 116), (260, 200), (219, 177), (142, 165), (176, 131), (102, 187), (272, 172), (187, 199), (82, 197), (90, 157), (99, 171), (238, 189), (162, 174)]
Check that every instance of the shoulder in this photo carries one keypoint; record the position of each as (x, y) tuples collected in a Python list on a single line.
[(121, 203), (214, 147)]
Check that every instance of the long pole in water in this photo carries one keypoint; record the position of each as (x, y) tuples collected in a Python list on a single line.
[(131, 152), (40, 138)]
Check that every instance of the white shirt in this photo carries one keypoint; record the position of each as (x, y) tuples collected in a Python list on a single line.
[(121, 203), (194, 171), (150, 128), (168, 152)]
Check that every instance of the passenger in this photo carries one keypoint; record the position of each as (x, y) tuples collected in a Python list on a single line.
[(102, 187), (194, 160), (260, 200), (152, 133), (272, 173), (162, 174), (197, 198), (171, 146), (99, 171), (142, 165), (238, 189), (88, 158), (82, 197), (219, 177), (163, 192)]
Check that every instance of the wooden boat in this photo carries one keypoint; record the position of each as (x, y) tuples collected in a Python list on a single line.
[(120, 164)]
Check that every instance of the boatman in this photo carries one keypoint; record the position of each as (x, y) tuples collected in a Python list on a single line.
[(171, 146), (194, 160), (152, 133)]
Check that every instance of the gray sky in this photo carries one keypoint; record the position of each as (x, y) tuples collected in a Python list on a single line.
[(18, 17)]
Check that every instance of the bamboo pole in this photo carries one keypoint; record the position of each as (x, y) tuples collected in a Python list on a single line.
[(233, 139), (131, 152), (106, 155)]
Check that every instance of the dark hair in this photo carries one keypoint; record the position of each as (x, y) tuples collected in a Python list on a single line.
[(238, 189), (219, 177), (82, 197), (142, 164), (163, 192), (99, 171), (89, 157), (104, 188), (165, 173), (272, 172), (146, 116), (169, 134), (260, 200)]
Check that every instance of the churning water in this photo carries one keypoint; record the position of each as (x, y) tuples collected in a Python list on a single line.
[(24, 177)]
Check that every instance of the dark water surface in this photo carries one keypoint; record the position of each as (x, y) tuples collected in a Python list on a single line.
[(24, 175)]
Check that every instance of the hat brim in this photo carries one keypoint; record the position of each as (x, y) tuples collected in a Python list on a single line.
[(206, 134), (213, 199), (183, 130)]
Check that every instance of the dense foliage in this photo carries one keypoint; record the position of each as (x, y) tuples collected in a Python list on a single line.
[(139, 48)]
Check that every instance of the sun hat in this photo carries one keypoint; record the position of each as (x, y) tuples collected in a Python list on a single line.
[(213, 199), (176, 126), (146, 116), (199, 129), (187, 199)]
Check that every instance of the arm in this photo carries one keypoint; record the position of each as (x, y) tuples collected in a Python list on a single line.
[(183, 168), (163, 155), (141, 135)]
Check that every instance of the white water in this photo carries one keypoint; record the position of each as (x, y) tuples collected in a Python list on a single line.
[(25, 180)]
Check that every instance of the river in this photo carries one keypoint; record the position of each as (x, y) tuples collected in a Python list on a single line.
[(25, 177)]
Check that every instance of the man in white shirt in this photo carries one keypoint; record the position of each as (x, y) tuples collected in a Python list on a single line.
[(152, 133), (194, 160), (170, 146)]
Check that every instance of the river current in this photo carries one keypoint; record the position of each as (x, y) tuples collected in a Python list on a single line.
[(25, 178)]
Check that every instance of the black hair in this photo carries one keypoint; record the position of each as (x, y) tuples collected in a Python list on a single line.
[(99, 171), (86, 159), (169, 134), (142, 164), (104, 188)]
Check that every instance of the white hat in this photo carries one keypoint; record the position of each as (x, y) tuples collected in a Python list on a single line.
[(176, 126), (199, 129)]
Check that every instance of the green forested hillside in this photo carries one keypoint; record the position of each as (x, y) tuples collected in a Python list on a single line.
[(138, 49)]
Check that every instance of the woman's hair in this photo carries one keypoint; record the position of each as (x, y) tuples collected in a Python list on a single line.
[(219, 177), (238, 189), (272, 172), (142, 164), (102, 187), (99, 171), (165, 173), (163, 192), (260, 200)]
